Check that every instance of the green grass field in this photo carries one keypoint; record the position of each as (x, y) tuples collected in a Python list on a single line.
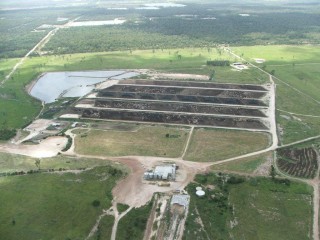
[(246, 165), (297, 66), (6, 65), (147, 141), (297, 127), (133, 225), (280, 54), (54, 206), (208, 145), (254, 208), (105, 228)]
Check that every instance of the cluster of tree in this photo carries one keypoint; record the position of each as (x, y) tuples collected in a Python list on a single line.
[(190, 26), (97, 39), (68, 145), (220, 63), (19, 29), (34, 171), (263, 28), (6, 134)]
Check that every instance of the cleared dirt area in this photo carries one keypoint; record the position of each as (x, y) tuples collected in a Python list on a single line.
[(136, 192), (46, 148)]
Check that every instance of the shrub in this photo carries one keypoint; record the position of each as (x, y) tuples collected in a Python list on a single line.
[(96, 203)]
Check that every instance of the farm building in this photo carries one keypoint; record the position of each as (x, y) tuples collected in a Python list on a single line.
[(163, 172), (182, 200)]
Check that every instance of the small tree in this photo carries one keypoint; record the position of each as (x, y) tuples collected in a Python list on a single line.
[(272, 172), (37, 163), (96, 203)]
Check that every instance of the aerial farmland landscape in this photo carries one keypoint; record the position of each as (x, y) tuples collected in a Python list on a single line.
[(147, 119)]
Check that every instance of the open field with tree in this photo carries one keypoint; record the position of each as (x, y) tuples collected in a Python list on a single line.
[(50, 206), (217, 144), (157, 141), (254, 208), (297, 127)]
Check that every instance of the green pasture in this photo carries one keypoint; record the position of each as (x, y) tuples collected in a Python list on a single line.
[(134, 223), (249, 208), (280, 54), (209, 145), (54, 206), (146, 141)]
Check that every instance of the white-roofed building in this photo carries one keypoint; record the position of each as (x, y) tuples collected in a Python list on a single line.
[(182, 200), (163, 172)]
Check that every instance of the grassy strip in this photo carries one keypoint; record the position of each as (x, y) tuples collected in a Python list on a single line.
[(122, 207), (216, 144), (13, 163), (247, 165), (54, 206)]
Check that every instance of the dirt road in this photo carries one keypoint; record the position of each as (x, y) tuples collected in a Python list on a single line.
[(38, 46)]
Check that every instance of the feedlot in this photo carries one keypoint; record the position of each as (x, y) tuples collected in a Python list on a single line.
[(180, 102), (178, 107), (189, 91)]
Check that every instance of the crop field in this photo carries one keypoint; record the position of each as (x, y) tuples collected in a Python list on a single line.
[(214, 144), (302, 162), (62, 207), (146, 141), (247, 165), (254, 208)]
